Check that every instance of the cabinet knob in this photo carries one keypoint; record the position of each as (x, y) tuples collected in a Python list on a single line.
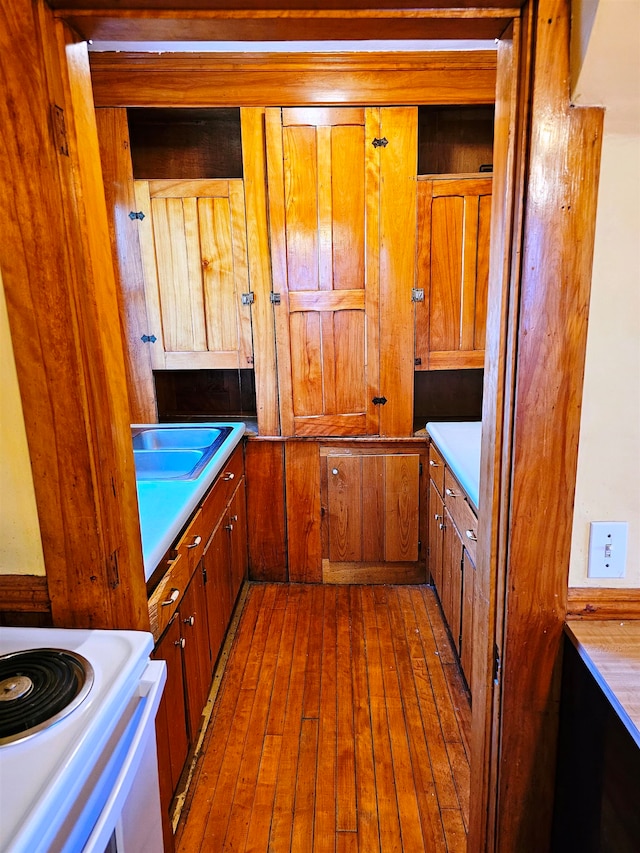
[(470, 534), (181, 642), (334, 470), (196, 541), (450, 493), (433, 463), (190, 620), (228, 475), (173, 597)]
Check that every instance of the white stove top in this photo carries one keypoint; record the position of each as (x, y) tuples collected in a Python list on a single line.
[(42, 777)]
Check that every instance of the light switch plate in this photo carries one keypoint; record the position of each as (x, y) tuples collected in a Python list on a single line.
[(608, 549)]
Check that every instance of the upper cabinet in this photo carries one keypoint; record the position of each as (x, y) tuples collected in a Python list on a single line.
[(454, 216), (338, 254), (194, 251)]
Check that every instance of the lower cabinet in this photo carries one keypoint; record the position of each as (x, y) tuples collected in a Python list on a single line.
[(452, 554), (193, 615)]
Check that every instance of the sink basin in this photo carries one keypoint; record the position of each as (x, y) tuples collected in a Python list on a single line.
[(167, 464), (175, 453), (190, 438)]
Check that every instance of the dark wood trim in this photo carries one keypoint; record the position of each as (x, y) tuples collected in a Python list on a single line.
[(245, 79), (603, 603), (24, 594)]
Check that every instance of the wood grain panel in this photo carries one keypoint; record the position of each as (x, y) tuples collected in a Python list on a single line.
[(348, 207), (349, 369), (402, 506), (117, 171), (202, 188), (482, 272), (445, 305), (398, 167), (150, 273), (302, 480), (373, 508), (424, 192), (300, 151), (259, 268), (24, 594), (342, 300), (306, 363), (214, 224), (344, 481), (264, 465), (372, 130), (602, 603), (256, 80)]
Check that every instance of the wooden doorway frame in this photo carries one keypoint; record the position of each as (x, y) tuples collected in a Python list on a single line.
[(534, 367)]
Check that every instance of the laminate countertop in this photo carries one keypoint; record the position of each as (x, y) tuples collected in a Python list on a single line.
[(459, 443), (611, 653)]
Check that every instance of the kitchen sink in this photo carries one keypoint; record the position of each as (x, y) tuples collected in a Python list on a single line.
[(175, 453)]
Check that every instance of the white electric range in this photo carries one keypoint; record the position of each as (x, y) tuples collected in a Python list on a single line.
[(88, 780)]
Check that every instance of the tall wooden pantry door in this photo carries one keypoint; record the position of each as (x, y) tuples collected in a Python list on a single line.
[(323, 173)]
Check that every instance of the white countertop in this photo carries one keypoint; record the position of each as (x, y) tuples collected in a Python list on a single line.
[(459, 443), (166, 505)]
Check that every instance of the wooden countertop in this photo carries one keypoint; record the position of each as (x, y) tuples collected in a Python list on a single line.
[(611, 652)]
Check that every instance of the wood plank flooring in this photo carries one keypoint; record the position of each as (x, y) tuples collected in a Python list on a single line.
[(341, 724)]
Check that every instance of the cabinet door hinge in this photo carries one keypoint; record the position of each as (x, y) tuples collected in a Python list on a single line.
[(379, 401), (248, 298), (275, 298), (417, 294), (497, 664), (417, 361), (148, 339), (380, 143), (59, 130), (136, 214)]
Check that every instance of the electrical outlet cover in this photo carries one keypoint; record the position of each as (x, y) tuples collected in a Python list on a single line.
[(608, 549)]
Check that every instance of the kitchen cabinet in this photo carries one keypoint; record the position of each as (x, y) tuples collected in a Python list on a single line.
[(339, 249), (371, 496), (190, 609), (193, 241), (452, 548), (454, 216)]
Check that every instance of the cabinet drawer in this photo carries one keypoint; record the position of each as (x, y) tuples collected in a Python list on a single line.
[(193, 540), (436, 468), (222, 490), (165, 598), (462, 514)]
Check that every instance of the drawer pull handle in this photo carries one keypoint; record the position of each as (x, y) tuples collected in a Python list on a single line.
[(196, 541), (190, 620), (173, 597), (434, 464), (229, 475), (181, 642), (450, 493), (470, 534)]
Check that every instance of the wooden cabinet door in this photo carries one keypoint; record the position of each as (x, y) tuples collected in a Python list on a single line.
[(216, 562), (194, 250), (237, 523), (468, 587), (436, 533), (452, 578), (323, 201), (454, 215), (169, 649), (372, 516), (196, 657)]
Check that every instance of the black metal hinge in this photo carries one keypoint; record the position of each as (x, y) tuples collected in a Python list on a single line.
[(379, 401), (417, 361), (380, 143), (148, 339), (136, 214)]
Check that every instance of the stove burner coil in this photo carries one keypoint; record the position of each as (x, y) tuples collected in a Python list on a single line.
[(38, 687)]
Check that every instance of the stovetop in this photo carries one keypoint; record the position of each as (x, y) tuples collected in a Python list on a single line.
[(42, 777)]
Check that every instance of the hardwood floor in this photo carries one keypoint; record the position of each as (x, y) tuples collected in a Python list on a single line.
[(341, 724)]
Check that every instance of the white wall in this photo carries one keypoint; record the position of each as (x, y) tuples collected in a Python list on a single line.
[(20, 542), (606, 71)]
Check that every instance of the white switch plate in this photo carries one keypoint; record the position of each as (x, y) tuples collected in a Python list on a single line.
[(608, 549)]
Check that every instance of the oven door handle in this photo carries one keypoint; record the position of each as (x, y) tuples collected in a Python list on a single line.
[(150, 691)]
